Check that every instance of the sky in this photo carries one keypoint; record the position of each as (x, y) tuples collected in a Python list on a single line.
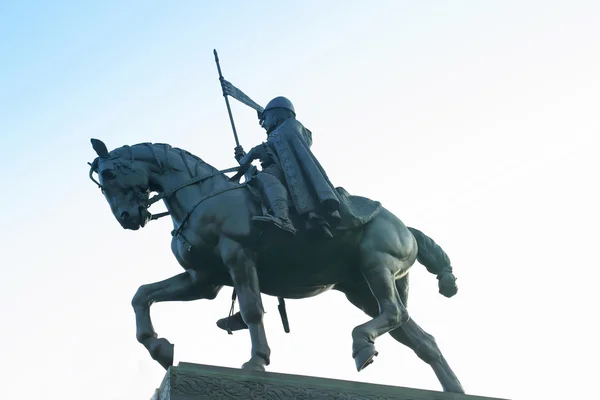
[(475, 122)]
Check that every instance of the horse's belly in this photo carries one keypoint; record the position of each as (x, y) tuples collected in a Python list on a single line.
[(296, 279), (303, 268), (292, 291)]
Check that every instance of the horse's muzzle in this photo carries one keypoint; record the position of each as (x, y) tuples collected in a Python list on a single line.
[(132, 222)]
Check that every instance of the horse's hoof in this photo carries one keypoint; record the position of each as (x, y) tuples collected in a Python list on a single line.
[(252, 366), (163, 352), (364, 357), (455, 389)]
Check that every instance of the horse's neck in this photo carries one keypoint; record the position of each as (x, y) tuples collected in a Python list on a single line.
[(175, 168)]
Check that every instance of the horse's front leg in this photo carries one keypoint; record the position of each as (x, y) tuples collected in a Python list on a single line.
[(242, 269), (182, 287)]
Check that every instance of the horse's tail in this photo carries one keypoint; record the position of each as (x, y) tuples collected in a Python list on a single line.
[(436, 261)]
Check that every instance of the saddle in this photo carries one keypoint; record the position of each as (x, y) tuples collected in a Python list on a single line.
[(355, 211)]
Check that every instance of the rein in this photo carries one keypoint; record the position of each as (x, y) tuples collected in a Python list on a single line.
[(189, 213), (170, 192)]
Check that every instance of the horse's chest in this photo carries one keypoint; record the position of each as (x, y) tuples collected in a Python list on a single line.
[(191, 254)]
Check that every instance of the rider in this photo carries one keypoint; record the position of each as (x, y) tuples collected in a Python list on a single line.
[(286, 159)]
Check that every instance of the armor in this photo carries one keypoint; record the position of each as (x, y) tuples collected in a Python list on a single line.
[(277, 102), (280, 102)]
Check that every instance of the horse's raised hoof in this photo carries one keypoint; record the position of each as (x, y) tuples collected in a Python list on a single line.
[(253, 366), (162, 351), (364, 357)]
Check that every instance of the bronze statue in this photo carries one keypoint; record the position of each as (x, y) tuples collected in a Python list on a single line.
[(217, 243)]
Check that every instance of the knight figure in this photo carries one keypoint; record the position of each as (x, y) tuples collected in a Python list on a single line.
[(291, 176), (292, 179)]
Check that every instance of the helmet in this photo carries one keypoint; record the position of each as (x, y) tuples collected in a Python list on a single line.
[(280, 102)]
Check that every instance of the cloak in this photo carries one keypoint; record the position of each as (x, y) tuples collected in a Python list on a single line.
[(310, 189)]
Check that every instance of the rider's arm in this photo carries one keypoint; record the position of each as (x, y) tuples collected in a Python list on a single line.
[(255, 153)]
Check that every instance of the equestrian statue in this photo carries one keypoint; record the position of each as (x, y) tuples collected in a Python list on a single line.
[(286, 231)]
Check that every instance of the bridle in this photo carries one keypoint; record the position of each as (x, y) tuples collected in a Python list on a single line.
[(168, 193)]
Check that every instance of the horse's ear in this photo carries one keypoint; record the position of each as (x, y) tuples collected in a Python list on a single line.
[(100, 148)]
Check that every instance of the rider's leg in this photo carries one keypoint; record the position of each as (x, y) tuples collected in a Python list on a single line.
[(276, 197)]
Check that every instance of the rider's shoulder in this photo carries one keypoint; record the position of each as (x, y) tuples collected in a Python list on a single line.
[(292, 123)]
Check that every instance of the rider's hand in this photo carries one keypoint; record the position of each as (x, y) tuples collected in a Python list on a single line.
[(257, 152), (260, 152), (228, 88), (239, 153), (246, 161)]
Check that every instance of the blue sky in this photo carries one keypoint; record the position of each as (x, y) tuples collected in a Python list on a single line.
[(475, 122)]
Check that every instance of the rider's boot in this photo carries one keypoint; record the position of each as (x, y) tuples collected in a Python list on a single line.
[(275, 195)]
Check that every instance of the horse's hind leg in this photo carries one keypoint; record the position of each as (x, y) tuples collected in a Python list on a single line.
[(409, 334), (386, 251), (378, 271), (424, 345)]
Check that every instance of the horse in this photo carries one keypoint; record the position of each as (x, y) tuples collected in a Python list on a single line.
[(215, 244)]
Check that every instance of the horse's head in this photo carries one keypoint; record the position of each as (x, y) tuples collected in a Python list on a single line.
[(124, 183)]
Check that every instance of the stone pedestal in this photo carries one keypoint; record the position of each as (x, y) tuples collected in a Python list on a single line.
[(201, 382)]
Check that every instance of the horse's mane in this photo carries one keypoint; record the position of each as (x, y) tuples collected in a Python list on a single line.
[(166, 150)]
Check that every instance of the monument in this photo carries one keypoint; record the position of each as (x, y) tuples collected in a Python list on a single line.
[(286, 231)]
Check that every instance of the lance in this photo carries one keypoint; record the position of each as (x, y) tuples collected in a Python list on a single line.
[(221, 79), (249, 102)]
